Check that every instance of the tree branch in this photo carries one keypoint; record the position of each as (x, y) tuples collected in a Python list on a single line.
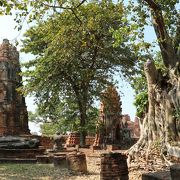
[(62, 7), (76, 16), (158, 18), (68, 8), (152, 4), (83, 1), (165, 42)]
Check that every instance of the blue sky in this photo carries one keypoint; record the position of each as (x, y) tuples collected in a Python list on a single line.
[(7, 30)]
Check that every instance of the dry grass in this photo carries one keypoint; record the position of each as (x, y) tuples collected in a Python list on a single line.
[(10, 171), (32, 172)]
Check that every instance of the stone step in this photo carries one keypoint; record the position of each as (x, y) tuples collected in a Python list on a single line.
[(20, 153), (17, 160), (160, 175)]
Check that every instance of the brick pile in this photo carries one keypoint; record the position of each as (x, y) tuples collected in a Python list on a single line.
[(73, 139), (114, 166)]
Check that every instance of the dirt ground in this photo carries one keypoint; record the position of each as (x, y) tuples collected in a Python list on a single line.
[(41, 171), (136, 169)]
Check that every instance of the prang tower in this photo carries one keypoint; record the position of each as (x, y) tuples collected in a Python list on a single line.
[(13, 110)]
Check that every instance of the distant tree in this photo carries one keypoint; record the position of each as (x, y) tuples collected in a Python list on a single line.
[(64, 118)]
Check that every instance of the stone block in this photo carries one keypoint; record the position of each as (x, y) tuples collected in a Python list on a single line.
[(44, 159), (112, 147), (59, 161), (175, 172), (161, 175), (77, 162)]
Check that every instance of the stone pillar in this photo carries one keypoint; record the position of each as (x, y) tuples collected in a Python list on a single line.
[(77, 162), (175, 171), (114, 166)]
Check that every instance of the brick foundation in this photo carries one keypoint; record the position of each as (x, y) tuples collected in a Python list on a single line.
[(77, 162), (113, 166)]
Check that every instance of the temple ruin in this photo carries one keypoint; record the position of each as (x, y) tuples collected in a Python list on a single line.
[(113, 127), (13, 110), (109, 125)]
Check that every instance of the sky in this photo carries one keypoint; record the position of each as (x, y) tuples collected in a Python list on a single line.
[(7, 31)]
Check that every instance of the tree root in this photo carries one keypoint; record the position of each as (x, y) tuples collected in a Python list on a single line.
[(167, 161), (173, 150)]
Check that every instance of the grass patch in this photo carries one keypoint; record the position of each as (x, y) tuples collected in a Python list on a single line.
[(10, 171)]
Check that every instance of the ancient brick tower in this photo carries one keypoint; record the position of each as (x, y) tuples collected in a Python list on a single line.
[(13, 110)]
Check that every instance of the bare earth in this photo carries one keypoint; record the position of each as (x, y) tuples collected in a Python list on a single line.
[(136, 169), (11, 171)]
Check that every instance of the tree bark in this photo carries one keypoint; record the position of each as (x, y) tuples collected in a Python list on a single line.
[(165, 42), (82, 101), (160, 123)]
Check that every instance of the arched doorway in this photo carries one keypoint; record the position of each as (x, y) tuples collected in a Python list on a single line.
[(117, 133)]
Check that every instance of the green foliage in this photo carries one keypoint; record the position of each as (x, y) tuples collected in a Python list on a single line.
[(75, 58), (64, 125), (92, 119), (35, 117), (49, 129), (140, 13), (6, 7), (63, 118), (159, 64), (139, 85), (141, 103)]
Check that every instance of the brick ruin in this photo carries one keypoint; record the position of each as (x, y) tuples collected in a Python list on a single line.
[(113, 127), (130, 128), (108, 128), (13, 110), (113, 166)]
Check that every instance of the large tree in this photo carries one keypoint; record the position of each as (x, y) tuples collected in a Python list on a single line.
[(162, 118), (75, 57)]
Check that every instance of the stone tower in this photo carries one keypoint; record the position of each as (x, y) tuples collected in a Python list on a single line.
[(110, 118), (13, 110)]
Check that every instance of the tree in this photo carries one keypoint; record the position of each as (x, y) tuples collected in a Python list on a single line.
[(75, 57), (162, 118), (62, 117)]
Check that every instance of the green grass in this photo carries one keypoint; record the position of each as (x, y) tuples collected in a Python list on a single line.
[(10, 171)]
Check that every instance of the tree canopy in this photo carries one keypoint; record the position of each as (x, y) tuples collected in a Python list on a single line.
[(75, 56), (79, 44)]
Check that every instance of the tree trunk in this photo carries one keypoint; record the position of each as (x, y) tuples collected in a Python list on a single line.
[(81, 99), (82, 126), (83, 116), (161, 123)]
